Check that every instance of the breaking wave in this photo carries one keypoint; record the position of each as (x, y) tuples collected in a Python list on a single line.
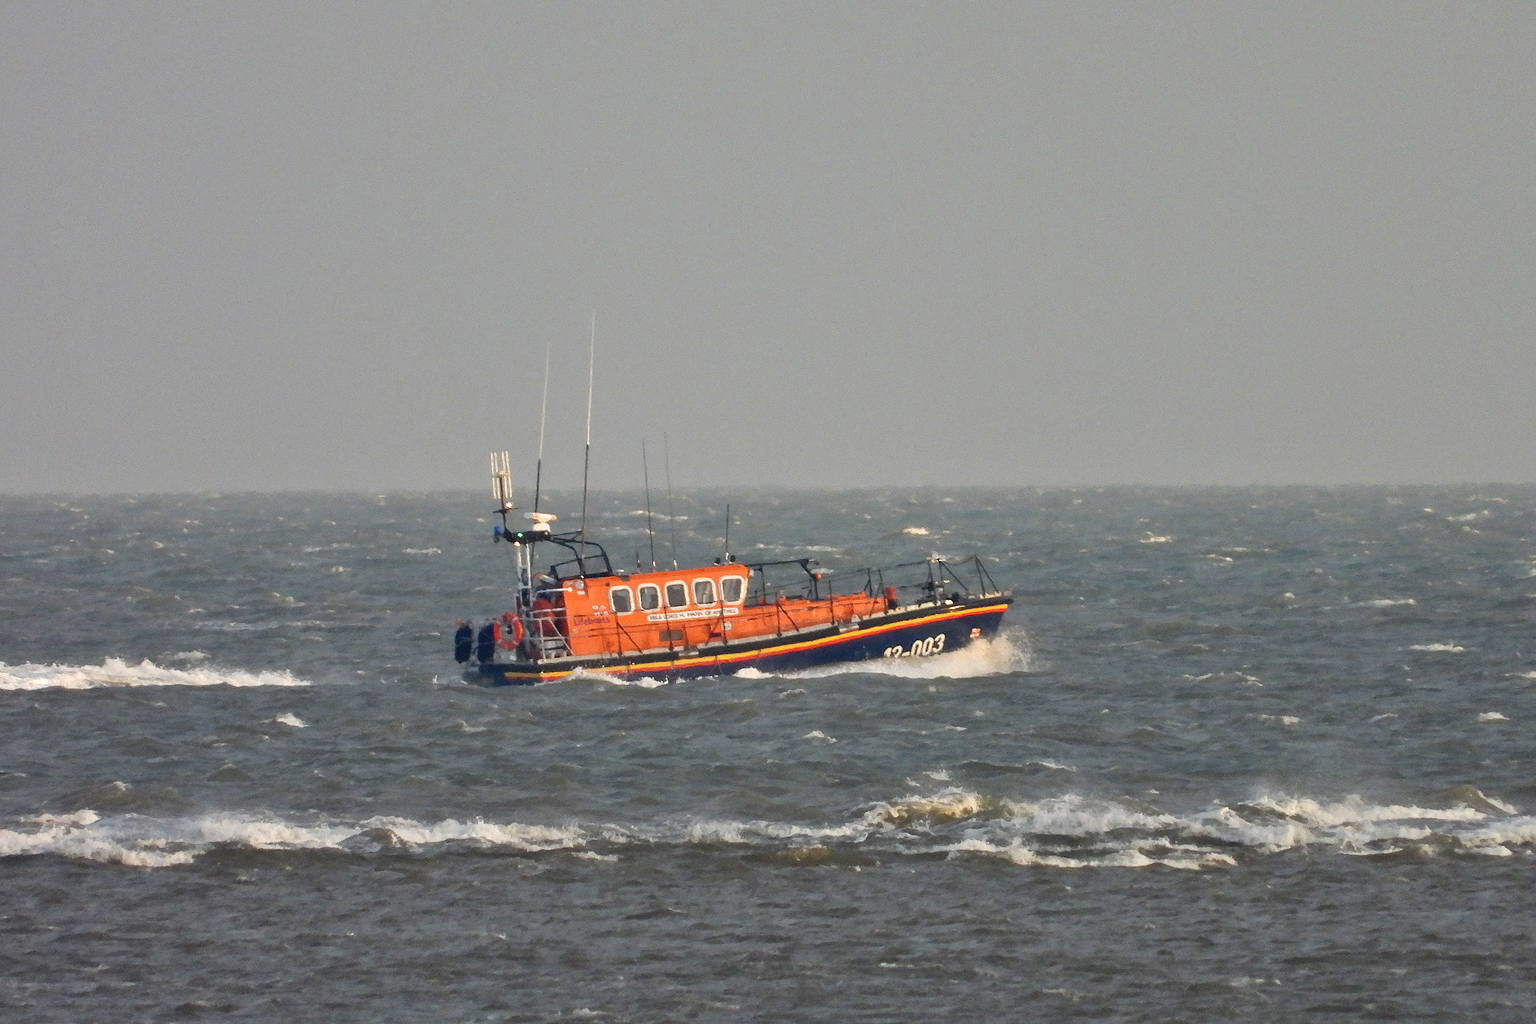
[(1069, 831), (165, 842), (117, 672), (1077, 832)]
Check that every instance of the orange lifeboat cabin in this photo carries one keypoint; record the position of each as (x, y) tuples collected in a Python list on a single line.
[(686, 611)]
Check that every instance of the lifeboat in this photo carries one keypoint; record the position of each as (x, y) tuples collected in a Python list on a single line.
[(581, 615)]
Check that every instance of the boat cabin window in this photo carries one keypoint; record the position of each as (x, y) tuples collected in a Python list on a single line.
[(650, 597), (703, 593), (731, 589), (621, 600), (677, 594)]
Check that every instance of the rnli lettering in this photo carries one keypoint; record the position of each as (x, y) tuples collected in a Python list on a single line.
[(692, 613)]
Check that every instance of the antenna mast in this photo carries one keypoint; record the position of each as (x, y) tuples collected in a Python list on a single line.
[(666, 453), (538, 473), (501, 488), (650, 531), (586, 464)]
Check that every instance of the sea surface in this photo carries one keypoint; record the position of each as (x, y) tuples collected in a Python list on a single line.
[(1240, 754)]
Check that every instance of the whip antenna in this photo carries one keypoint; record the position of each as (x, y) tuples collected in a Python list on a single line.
[(587, 461), (666, 453), (538, 472), (650, 531)]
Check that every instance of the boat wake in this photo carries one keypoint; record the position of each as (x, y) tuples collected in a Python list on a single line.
[(988, 657), (117, 672), (994, 656), (1064, 832), (590, 676)]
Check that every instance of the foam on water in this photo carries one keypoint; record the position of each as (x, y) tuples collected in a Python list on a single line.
[(984, 657), (987, 657), (117, 672), (1239, 677), (1077, 831), (140, 841), (950, 804), (1068, 831), (593, 676), (1018, 852)]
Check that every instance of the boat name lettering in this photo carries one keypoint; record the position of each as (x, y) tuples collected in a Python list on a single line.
[(693, 613), (919, 649)]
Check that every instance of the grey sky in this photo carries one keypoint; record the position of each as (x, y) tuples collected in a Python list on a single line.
[(265, 246)]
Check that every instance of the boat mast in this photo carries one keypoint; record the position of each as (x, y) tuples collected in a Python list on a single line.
[(666, 453), (538, 473), (586, 463), (650, 531)]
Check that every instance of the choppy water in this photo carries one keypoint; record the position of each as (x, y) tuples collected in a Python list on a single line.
[(1242, 754)]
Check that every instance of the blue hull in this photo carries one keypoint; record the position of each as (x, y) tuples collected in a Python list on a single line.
[(915, 632)]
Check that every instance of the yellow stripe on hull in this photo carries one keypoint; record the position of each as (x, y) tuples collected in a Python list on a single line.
[(654, 665)]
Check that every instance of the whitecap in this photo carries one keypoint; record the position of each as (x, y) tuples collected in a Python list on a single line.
[(916, 531), (1491, 716), (117, 672), (1069, 831), (1438, 648), (1018, 852), (1074, 831), (1240, 677), (818, 736), (950, 804), (163, 842), (289, 718)]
